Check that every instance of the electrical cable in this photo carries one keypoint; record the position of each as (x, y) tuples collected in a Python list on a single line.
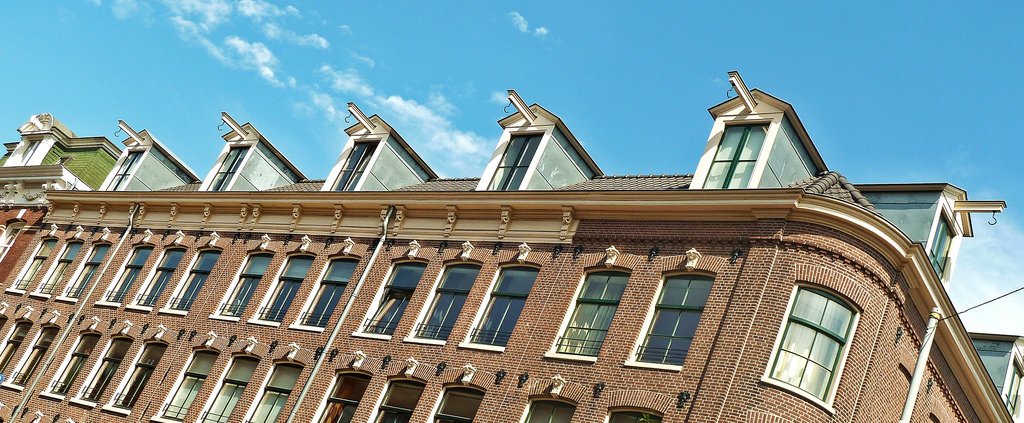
[(986, 302)]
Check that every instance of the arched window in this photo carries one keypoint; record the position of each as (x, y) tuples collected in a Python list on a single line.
[(185, 393), (286, 287), (329, 293), (85, 275), (815, 337), (83, 349), (34, 265), (246, 285), (675, 319), (404, 279), (459, 405), (345, 397), (550, 412), (13, 344), (196, 279), (10, 233), (506, 304), (448, 301), (108, 368), (60, 269), (168, 264), (399, 401), (231, 389), (275, 394), (130, 274), (43, 343), (595, 308), (150, 358), (634, 417)]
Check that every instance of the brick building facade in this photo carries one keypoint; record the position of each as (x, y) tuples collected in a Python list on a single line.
[(598, 299)]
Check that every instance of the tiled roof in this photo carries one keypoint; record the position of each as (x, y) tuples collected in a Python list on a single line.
[(444, 184), (833, 184), (632, 183), (308, 185), (187, 187)]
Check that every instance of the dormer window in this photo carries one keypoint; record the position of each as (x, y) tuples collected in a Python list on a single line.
[(737, 153), (355, 166), (514, 162), (228, 168), (30, 149), (941, 241), (123, 171)]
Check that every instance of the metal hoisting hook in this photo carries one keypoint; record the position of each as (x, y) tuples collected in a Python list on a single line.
[(221, 126), (507, 106), (727, 93), (994, 221), (118, 131), (349, 115)]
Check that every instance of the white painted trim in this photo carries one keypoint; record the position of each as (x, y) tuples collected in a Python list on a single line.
[(481, 347), (28, 264), (269, 293), (20, 366), (375, 304), (307, 305), (217, 314), (53, 267), (78, 272), (428, 304), (91, 376)]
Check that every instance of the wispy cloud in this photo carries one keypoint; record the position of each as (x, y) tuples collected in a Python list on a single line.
[(366, 60), (276, 32), (345, 28), (124, 9), (192, 32), (260, 9), (255, 56), (210, 13), (987, 269), (523, 26), (498, 97), (346, 81)]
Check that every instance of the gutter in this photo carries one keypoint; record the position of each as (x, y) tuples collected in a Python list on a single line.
[(69, 326), (341, 319)]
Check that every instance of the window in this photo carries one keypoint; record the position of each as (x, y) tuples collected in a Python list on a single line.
[(196, 279), (108, 368), (514, 162), (736, 155), (86, 344), (13, 344), (168, 264), (275, 395), (355, 166), (10, 233), (1011, 395), (399, 401), (288, 285), (459, 405), (598, 300), (70, 252), (228, 168), (42, 253), (30, 149), (448, 301), (675, 320), (120, 180), (231, 390), (940, 246), (195, 375), (348, 391), (550, 412), (813, 341), (85, 276), (151, 356), (633, 417), (130, 274), (392, 305), (331, 288), (246, 286), (505, 306), (46, 336)]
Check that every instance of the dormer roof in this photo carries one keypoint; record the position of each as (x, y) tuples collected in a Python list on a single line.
[(382, 127), (147, 139), (254, 134), (514, 118)]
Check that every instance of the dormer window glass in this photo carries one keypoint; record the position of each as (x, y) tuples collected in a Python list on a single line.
[(228, 168), (127, 166), (516, 160), (355, 166), (170, 165), (736, 155), (30, 149), (940, 246)]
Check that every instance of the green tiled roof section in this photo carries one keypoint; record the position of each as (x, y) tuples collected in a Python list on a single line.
[(4, 158), (90, 164)]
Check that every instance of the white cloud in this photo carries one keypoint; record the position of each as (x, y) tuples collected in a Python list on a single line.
[(347, 81), (438, 102), (346, 29), (498, 97), (276, 32), (325, 103), (95, 2), (519, 21), (366, 60), (191, 31), (210, 12), (124, 9), (255, 56), (259, 9), (986, 269)]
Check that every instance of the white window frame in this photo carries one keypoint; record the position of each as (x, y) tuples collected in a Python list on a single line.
[(63, 296), (9, 380), (28, 264), (131, 174), (766, 115), (467, 341), (37, 292), (216, 314), (159, 414), (322, 407), (552, 351), (109, 406), (544, 130), (102, 301), (411, 336), (308, 304), (632, 361), (212, 398), (48, 389), (833, 387), (7, 339), (10, 234), (375, 303), (269, 293), (263, 389), (375, 412), (529, 404), (133, 303), (89, 378)]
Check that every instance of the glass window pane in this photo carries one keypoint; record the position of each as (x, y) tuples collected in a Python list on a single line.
[(730, 141), (809, 306), (741, 175), (799, 339), (407, 275), (242, 369), (755, 138), (837, 318), (284, 377), (460, 403), (403, 395)]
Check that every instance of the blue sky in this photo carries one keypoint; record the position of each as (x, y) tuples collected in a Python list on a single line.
[(890, 92)]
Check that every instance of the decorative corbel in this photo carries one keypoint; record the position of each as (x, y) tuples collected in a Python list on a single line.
[(251, 343), (211, 338), (75, 210), (557, 383), (54, 315), (467, 250), (160, 331), (468, 371), (383, 218), (504, 220), (53, 229), (410, 366), (611, 255), (146, 235), (3, 307), (178, 237), (265, 241), (102, 212), (207, 211), (173, 214), (95, 322), (214, 237), (524, 251), (692, 255), (257, 210), (449, 221), (348, 245), (242, 215), (293, 351), (142, 212), (414, 248), (338, 211), (360, 358), (127, 327), (28, 312), (566, 220), (306, 241), (78, 231), (398, 221), (296, 215), (105, 232)]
